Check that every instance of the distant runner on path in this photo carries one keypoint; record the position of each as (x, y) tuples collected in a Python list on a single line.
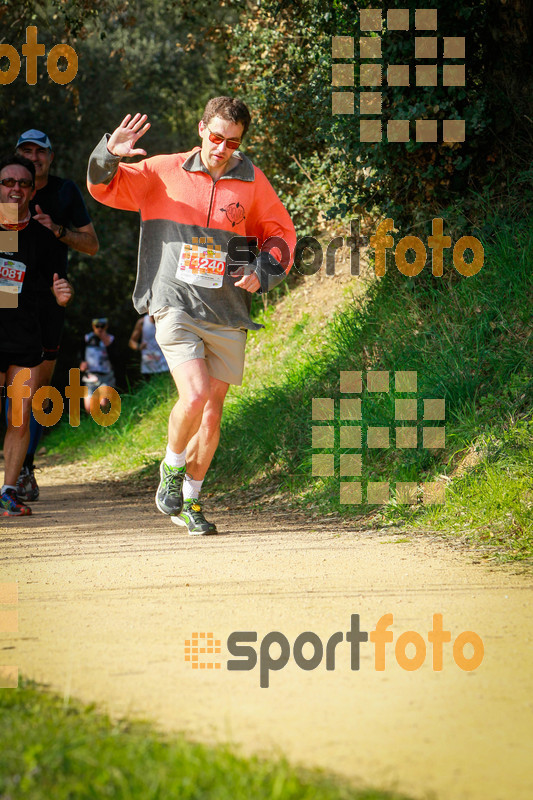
[(97, 361), (192, 205), (142, 339)]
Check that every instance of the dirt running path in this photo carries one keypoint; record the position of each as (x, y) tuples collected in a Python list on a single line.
[(109, 590)]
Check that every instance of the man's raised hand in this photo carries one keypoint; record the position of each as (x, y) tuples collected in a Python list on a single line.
[(62, 290), (44, 219), (123, 139)]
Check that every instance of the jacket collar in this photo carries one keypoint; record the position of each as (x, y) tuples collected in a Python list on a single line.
[(242, 169)]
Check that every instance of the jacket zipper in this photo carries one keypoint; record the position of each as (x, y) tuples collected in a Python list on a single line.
[(211, 202)]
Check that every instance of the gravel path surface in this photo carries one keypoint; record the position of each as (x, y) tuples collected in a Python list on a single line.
[(110, 590)]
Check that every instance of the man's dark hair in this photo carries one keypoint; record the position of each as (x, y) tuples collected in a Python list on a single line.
[(22, 161), (229, 108)]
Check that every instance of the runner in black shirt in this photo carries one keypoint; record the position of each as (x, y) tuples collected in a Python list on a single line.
[(29, 270), (26, 278), (59, 206)]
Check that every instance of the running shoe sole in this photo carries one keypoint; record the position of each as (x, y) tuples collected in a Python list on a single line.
[(179, 521), (16, 514)]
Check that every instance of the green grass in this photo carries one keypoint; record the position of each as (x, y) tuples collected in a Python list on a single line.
[(491, 504), (134, 440), (49, 750), (469, 342), (468, 339)]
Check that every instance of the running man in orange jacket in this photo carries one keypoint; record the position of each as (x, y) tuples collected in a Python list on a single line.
[(197, 209)]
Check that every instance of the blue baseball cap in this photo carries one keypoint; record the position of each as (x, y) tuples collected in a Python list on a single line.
[(37, 137)]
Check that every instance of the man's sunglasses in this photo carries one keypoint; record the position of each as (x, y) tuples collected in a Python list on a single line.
[(231, 144), (25, 183)]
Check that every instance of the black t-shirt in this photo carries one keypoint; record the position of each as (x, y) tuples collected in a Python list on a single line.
[(62, 200), (32, 269)]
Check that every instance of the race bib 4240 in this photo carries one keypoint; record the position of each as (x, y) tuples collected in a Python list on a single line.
[(201, 265)]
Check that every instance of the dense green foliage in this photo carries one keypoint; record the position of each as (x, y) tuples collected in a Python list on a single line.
[(469, 342), (166, 58), (69, 752), (283, 53)]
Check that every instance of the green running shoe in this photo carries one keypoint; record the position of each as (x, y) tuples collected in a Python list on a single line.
[(193, 519), (169, 495)]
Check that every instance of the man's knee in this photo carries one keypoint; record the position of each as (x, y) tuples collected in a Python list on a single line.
[(19, 430), (194, 401), (211, 417)]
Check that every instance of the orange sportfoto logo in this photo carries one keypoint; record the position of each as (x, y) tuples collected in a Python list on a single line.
[(409, 650)]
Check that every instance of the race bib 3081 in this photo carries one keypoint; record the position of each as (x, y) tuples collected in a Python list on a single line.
[(11, 275)]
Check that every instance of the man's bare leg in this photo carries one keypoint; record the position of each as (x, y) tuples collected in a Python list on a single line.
[(193, 384), (27, 488), (194, 422), (202, 447), (45, 372), (194, 433), (17, 438)]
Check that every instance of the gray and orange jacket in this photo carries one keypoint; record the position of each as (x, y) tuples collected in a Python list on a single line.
[(179, 203)]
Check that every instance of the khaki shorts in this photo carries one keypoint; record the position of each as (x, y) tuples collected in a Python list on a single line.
[(182, 338)]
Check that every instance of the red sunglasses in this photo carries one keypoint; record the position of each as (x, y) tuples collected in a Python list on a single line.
[(231, 144)]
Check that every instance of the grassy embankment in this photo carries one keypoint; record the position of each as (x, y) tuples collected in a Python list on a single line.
[(468, 339), (49, 751)]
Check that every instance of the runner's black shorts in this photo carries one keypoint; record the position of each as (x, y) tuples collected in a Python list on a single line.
[(52, 321), (10, 359)]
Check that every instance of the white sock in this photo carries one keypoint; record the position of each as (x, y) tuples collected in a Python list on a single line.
[(191, 489), (175, 459), (6, 486)]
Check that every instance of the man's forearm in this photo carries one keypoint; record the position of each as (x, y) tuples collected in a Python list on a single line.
[(102, 164), (81, 241), (111, 185)]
